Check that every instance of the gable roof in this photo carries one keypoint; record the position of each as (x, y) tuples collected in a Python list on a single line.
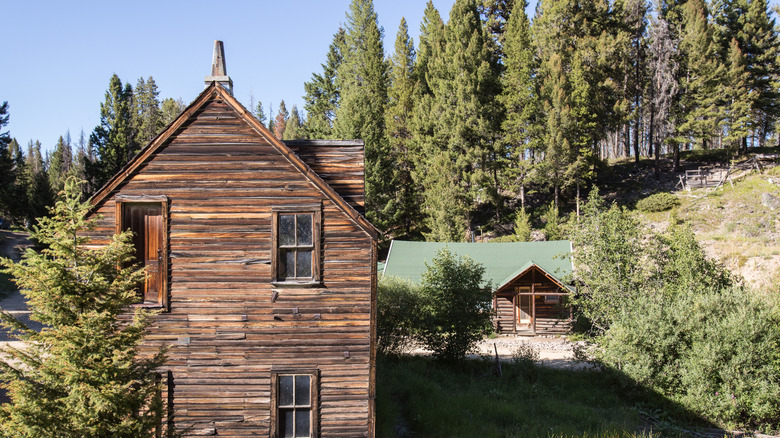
[(503, 261), (215, 91)]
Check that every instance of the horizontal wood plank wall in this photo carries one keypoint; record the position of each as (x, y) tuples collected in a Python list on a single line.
[(226, 333), (339, 163), (550, 318)]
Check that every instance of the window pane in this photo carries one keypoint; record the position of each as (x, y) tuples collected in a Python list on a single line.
[(303, 269), (285, 390), (302, 423), (285, 264), (289, 262), (286, 423), (302, 391), (304, 229), (286, 230)]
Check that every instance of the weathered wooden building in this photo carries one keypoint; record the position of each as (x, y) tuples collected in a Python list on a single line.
[(528, 279), (264, 268)]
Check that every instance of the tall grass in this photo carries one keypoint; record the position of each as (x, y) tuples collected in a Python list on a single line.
[(417, 396)]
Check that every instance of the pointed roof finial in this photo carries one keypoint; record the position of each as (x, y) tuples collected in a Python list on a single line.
[(218, 69)]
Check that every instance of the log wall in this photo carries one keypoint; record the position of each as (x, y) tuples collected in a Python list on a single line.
[(225, 330)]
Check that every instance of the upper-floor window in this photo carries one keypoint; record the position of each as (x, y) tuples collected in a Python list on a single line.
[(296, 246)]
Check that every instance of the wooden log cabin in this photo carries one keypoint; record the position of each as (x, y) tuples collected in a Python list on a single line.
[(263, 267), (527, 279)]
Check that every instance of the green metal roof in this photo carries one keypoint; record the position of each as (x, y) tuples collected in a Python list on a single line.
[(503, 261)]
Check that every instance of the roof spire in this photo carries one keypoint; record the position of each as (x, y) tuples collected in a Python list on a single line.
[(218, 69)]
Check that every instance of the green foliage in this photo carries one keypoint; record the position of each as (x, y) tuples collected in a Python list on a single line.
[(523, 226), (418, 396), (280, 121), (658, 202), (322, 94), (147, 117), (608, 259), (456, 307), (706, 350), (293, 129), (552, 223), (398, 315), (82, 374), (362, 81), (114, 140)]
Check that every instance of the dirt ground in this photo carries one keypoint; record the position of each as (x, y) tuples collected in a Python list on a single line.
[(553, 351)]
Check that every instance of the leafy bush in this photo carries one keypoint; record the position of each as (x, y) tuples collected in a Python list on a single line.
[(658, 202), (398, 315), (713, 351), (456, 311)]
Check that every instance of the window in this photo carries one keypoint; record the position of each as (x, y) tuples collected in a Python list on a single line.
[(147, 218), (295, 404), (552, 299), (296, 246)]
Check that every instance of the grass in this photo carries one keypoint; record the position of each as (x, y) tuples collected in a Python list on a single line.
[(417, 396)]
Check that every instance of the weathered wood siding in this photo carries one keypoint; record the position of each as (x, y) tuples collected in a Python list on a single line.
[(550, 318), (339, 163), (226, 333)]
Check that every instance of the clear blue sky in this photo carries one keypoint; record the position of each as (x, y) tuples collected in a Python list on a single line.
[(59, 55)]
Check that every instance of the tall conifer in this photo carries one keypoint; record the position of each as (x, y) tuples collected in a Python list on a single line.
[(406, 212), (362, 81), (322, 94)]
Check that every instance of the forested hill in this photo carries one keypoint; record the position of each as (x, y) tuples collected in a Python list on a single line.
[(494, 114)]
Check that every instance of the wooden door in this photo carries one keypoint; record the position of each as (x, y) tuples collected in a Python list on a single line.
[(524, 310), (145, 220)]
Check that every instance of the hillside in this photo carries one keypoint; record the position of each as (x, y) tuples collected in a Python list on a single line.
[(737, 223)]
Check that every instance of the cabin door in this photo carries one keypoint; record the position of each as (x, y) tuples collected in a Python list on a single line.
[(524, 311), (145, 220)]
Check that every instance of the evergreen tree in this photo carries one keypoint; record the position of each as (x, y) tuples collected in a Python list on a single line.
[(663, 84), (81, 374), (271, 119), (40, 195), (698, 112), (292, 130), (280, 121), (148, 119), (322, 94), (170, 110), (406, 214), (463, 79), (496, 15), (114, 139), (738, 100), (260, 114), (7, 171), (520, 98), (59, 163), (362, 81), (80, 160)]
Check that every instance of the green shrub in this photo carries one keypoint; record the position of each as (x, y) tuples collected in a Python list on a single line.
[(456, 311), (715, 352), (658, 202), (398, 315)]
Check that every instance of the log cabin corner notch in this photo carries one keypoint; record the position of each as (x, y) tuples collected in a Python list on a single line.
[(260, 254)]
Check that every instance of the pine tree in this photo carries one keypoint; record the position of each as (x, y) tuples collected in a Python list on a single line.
[(520, 98), (698, 113), (81, 374), (322, 94), (170, 110), (59, 163), (292, 129), (114, 139), (362, 81), (406, 209), (463, 79), (40, 195), (7, 171), (663, 84), (738, 100), (496, 15), (260, 114), (148, 119), (280, 121)]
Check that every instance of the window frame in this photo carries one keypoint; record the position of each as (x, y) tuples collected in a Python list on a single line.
[(316, 213), (314, 403), (164, 202)]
